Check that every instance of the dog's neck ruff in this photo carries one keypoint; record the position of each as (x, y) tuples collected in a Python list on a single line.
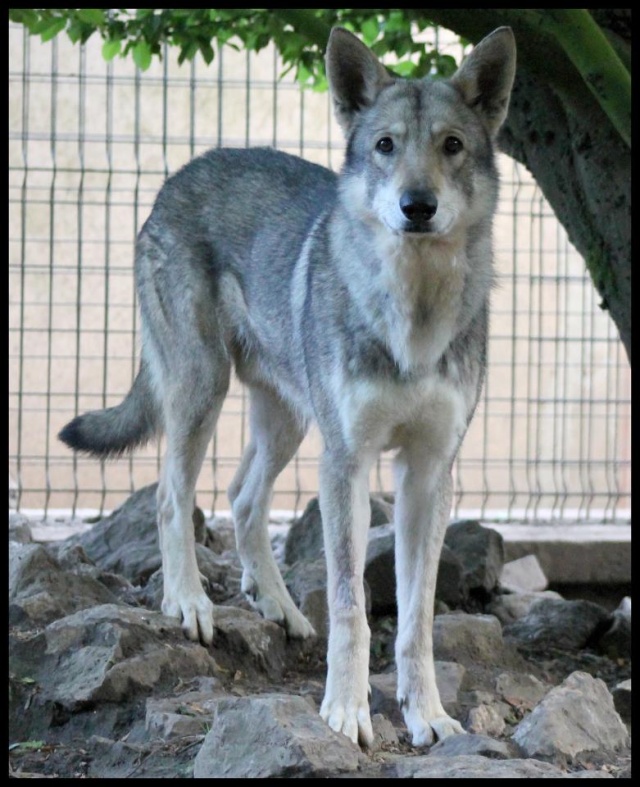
[(409, 292)]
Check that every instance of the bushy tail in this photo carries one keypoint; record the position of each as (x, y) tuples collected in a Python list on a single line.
[(111, 432)]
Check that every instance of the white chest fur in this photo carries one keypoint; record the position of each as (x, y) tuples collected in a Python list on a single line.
[(380, 415), (424, 280)]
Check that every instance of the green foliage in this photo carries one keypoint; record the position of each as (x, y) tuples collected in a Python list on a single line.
[(300, 36), (23, 746)]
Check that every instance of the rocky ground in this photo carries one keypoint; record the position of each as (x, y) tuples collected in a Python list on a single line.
[(102, 685)]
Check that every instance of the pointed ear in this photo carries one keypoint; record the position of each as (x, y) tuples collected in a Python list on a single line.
[(355, 75), (485, 77)]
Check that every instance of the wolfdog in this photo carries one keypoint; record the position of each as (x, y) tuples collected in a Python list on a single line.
[(359, 301)]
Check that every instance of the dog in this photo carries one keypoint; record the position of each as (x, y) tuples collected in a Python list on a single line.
[(357, 300)]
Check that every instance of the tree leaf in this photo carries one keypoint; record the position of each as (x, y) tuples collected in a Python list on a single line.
[(370, 30), (27, 16), (92, 16), (404, 69), (111, 48), (142, 55), (53, 28)]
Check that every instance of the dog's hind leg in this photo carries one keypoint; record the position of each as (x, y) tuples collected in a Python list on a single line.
[(276, 433), (422, 509), (190, 418), (184, 332)]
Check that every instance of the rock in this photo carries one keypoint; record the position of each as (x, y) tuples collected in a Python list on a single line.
[(73, 558), (139, 698), (472, 766), (381, 511), (222, 572), (126, 542), (307, 582), (384, 733), (379, 573), (576, 717), (520, 690), (567, 625), (304, 543), (85, 670), (382, 699), (305, 539), (484, 720), (40, 591), (222, 575), (509, 607), (523, 575), (187, 714), (111, 653), (379, 569), (622, 699), (273, 736), (469, 639), (199, 525), (221, 536), (19, 529), (615, 642), (450, 586), (483, 745), (163, 721), (481, 551), (246, 643), (449, 677)]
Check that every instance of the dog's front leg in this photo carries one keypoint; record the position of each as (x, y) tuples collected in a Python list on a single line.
[(423, 504), (346, 512)]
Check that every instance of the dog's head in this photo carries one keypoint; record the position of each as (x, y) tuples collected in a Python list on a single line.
[(420, 151)]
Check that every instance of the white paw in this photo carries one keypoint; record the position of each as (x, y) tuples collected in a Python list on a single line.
[(349, 717), (195, 611), (276, 605), (426, 731)]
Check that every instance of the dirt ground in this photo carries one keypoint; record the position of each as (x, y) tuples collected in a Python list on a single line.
[(83, 752)]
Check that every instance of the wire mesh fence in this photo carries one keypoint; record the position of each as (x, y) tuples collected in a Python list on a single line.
[(91, 142)]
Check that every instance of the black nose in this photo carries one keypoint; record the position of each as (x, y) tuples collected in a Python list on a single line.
[(419, 205)]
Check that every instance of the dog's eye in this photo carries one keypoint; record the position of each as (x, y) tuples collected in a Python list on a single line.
[(384, 145), (452, 145)]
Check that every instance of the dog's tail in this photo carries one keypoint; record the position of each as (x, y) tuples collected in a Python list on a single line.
[(111, 432)]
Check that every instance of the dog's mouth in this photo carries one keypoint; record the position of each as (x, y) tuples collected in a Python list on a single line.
[(432, 229), (419, 228)]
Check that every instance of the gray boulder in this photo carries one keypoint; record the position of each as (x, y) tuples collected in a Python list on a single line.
[(470, 639), (524, 574), (481, 552), (557, 623), (576, 717), (40, 591), (472, 766), (305, 539), (511, 606), (615, 642), (274, 735), (126, 542)]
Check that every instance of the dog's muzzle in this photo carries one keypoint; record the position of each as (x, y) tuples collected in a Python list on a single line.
[(419, 206)]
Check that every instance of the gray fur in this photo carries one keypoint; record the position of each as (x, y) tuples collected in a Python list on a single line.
[(359, 301)]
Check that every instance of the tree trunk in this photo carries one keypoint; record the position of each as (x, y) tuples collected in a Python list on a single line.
[(584, 171), (575, 154)]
